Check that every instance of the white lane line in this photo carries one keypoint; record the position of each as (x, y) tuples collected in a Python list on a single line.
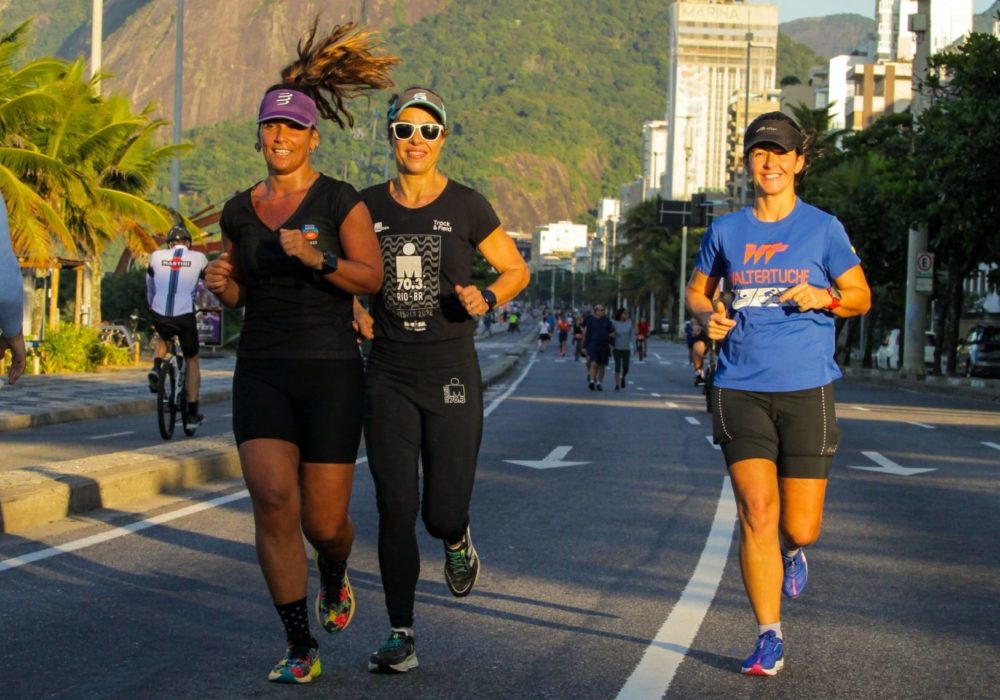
[(652, 677), (993, 445), (492, 357), (920, 425), (665, 362), (641, 388), (712, 442), (500, 399), (670, 404), (655, 395), (861, 408), (130, 529), (657, 356), (111, 435), (692, 420), (227, 415)]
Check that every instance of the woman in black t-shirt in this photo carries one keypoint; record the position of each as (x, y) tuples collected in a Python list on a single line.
[(423, 388), (298, 246)]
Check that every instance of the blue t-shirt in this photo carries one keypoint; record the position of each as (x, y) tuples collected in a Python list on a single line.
[(774, 346)]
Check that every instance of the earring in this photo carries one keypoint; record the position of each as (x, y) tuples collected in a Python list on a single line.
[(257, 147)]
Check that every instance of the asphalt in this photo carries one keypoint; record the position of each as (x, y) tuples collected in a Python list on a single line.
[(38, 494)]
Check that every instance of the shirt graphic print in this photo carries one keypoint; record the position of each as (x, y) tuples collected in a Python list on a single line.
[(412, 283)]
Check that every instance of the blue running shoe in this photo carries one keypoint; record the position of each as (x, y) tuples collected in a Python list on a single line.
[(767, 658), (796, 574)]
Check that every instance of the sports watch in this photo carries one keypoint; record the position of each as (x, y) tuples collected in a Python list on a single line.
[(834, 298), (330, 262), (490, 298)]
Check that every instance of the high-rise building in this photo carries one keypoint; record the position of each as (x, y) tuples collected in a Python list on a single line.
[(711, 44), (654, 157)]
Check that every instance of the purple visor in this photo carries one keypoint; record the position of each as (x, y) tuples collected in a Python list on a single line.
[(285, 103)]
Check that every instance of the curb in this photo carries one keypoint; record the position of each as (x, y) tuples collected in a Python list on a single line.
[(36, 495), (111, 410)]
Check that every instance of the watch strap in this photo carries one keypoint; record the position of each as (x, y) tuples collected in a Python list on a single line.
[(490, 298)]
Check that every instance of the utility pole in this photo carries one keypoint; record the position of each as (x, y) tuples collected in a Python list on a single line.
[(175, 163), (746, 110), (916, 302), (96, 38)]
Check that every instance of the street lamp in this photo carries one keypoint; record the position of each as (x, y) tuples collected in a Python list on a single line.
[(175, 163), (746, 109)]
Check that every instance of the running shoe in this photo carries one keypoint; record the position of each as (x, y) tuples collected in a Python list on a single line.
[(397, 654), (599, 388), (461, 566), (796, 574), (192, 421), (335, 601), (699, 379), (590, 385), (767, 658), (300, 664), (154, 381)]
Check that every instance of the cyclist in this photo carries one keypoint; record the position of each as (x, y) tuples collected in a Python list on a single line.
[(171, 283)]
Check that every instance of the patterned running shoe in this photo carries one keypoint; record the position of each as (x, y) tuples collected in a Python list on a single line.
[(796, 574), (767, 658), (397, 654), (461, 566), (300, 664), (335, 600)]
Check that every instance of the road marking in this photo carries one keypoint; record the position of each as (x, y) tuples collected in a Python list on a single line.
[(111, 435), (665, 362), (861, 408), (993, 445), (655, 395), (669, 404), (492, 357), (887, 466), (652, 677), (692, 420), (657, 355), (642, 388), (551, 461), (130, 529), (712, 442), (500, 399), (920, 425)]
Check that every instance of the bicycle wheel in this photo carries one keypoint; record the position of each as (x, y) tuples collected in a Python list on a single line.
[(166, 405)]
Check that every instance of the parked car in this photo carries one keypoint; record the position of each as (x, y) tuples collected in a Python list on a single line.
[(979, 353), (890, 353)]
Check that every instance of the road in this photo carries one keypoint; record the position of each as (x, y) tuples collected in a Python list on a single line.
[(585, 564)]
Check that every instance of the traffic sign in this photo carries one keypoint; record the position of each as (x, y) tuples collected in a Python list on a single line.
[(925, 272)]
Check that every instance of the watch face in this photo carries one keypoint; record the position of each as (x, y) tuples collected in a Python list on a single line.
[(329, 261)]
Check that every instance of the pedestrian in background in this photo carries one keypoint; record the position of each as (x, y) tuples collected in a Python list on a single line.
[(424, 401), (624, 336), (298, 246), (598, 335), (772, 397), (562, 328), (641, 338), (11, 302), (544, 334)]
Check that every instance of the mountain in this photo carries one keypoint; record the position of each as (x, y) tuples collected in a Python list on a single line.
[(831, 35)]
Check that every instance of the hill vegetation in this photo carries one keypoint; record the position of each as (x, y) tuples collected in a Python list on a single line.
[(832, 35)]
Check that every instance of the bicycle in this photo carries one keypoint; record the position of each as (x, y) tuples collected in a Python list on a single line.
[(641, 348), (171, 394)]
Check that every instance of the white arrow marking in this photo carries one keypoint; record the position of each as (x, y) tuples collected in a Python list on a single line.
[(692, 420), (552, 460), (712, 442), (993, 445), (887, 466)]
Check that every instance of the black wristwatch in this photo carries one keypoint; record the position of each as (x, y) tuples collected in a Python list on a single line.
[(490, 298), (330, 262)]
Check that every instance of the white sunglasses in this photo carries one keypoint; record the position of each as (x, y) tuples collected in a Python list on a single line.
[(404, 131)]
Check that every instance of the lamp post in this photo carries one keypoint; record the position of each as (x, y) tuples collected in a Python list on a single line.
[(96, 38), (746, 108), (175, 163)]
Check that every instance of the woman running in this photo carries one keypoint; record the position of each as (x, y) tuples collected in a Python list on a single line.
[(298, 246), (424, 395), (624, 336), (792, 269)]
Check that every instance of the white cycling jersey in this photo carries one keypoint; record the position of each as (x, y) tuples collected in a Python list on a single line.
[(172, 279)]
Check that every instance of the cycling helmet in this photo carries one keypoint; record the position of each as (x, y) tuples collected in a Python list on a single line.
[(178, 233)]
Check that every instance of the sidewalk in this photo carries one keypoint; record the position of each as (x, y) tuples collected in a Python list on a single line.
[(50, 491)]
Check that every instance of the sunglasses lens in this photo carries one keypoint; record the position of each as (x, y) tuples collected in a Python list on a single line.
[(402, 130), (430, 131)]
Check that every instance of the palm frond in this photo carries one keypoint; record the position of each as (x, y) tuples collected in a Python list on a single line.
[(130, 205)]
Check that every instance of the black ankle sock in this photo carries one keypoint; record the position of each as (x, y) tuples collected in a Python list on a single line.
[(295, 618), (331, 572), (192, 408)]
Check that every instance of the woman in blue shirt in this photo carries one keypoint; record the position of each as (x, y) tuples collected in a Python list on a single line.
[(791, 269)]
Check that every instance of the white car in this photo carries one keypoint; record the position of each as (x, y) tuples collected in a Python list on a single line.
[(889, 353)]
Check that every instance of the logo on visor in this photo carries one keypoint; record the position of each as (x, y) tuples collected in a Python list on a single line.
[(283, 98), (766, 251)]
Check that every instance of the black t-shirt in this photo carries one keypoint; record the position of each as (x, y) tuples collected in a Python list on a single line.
[(425, 253), (291, 310)]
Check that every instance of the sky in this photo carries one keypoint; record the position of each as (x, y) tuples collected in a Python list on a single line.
[(797, 9)]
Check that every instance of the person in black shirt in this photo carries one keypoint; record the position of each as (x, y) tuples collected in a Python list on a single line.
[(298, 246), (598, 336), (424, 394)]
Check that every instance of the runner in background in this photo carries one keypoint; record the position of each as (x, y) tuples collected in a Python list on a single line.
[(562, 328)]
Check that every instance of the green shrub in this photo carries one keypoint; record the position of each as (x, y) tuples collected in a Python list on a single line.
[(78, 349)]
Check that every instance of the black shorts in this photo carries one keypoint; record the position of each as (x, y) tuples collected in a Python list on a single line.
[(184, 327), (315, 404), (797, 430), (600, 355)]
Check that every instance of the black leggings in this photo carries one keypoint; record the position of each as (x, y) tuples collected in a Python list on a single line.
[(423, 402)]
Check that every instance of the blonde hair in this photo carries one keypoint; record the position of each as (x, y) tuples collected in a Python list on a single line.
[(345, 64)]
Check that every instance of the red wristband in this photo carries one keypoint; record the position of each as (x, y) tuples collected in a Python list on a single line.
[(834, 300)]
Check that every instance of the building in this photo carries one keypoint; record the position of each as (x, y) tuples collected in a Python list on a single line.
[(606, 236), (654, 158), (557, 240), (710, 46), (741, 112), (875, 89)]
